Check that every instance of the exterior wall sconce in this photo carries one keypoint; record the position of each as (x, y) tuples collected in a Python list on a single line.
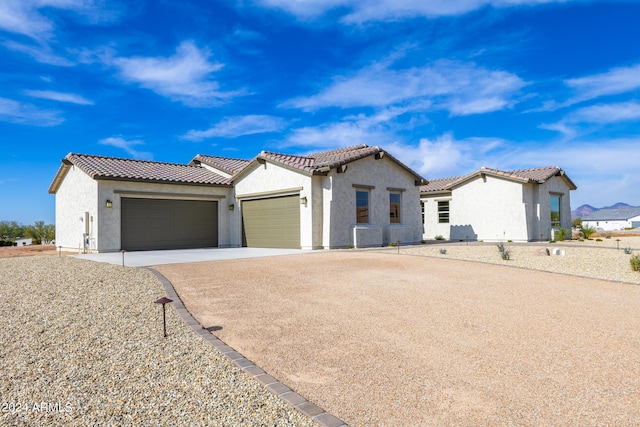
[(342, 168), (109, 204), (231, 207), (379, 155), (303, 201)]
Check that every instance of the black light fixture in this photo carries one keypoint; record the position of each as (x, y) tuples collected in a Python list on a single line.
[(163, 301)]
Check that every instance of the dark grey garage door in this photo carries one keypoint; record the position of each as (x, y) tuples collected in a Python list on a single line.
[(149, 224), (272, 223)]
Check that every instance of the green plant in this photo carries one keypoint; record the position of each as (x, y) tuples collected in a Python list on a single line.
[(443, 251), (627, 251), (509, 241), (394, 244), (505, 251), (635, 262), (439, 237), (576, 223), (561, 234), (587, 231), (598, 240)]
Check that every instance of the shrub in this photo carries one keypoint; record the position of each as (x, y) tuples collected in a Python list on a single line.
[(394, 244), (505, 251), (439, 237), (588, 230), (627, 251), (598, 240), (606, 234), (635, 262), (443, 251), (560, 234)]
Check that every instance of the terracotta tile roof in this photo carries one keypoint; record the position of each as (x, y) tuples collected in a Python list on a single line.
[(101, 167), (322, 162), (533, 175), (226, 164), (439, 184)]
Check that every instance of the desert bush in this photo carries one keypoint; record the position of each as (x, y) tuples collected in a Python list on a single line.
[(635, 262), (439, 237), (560, 234), (627, 251), (588, 230), (606, 234), (576, 223), (598, 240), (394, 244), (504, 250), (443, 251)]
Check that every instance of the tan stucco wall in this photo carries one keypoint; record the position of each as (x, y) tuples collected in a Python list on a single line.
[(340, 205), (109, 218), (76, 195)]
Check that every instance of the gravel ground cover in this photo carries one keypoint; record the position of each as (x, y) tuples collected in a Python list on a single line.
[(388, 339), (590, 258), (82, 344)]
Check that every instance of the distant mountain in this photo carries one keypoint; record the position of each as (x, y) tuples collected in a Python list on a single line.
[(585, 210)]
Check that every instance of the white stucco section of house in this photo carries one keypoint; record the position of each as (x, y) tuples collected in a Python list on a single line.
[(77, 201), (491, 208), (610, 225), (379, 177), (109, 222), (267, 180)]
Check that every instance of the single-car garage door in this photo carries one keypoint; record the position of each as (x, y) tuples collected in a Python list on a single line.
[(272, 222), (151, 224)]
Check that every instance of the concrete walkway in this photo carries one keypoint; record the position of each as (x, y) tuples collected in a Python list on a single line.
[(149, 258)]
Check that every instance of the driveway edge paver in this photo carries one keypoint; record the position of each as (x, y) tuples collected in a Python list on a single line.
[(284, 393)]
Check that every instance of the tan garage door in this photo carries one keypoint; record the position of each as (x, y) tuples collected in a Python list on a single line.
[(152, 224), (271, 223)]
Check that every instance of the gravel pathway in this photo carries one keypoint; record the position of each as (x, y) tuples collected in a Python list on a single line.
[(82, 344)]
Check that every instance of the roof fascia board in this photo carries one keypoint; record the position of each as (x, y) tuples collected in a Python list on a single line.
[(159, 181)]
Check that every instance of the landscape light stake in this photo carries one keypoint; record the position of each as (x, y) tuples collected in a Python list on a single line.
[(398, 247), (163, 301), (59, 251), (618, 243), (123, 251)]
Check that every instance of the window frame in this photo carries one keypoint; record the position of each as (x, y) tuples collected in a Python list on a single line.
[(360, 218), (444, 215), (557, 222), (398, 218)]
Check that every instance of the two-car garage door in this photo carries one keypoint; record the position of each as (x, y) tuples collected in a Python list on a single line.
[(150, 224), (271, 222)]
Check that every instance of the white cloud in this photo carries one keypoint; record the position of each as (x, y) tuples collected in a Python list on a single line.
[(16, 112), (41, 53), (24, 17), (184, 76), (460, 88), (59, 96), (595, 116), (233, 127), (613, 82), (360, 11), (119, 142)]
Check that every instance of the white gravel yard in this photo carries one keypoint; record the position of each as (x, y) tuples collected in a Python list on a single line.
[(82, 344)]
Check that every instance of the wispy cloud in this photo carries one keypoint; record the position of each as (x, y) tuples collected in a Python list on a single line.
[(184, 77), (127, 146), (25, 17), (59, 96), (27, 114), (233, 127), (573, 124), (360, 11), (460, 88), (41, 53), (613, 82)]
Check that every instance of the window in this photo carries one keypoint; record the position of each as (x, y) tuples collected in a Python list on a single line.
[(394, 207), (443, 212), (555, 210), (362, 206)]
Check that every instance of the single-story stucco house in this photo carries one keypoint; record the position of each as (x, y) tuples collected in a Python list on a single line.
[(356, 196), (494, 205), (613, 219)]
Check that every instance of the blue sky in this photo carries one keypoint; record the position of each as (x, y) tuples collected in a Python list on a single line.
[(445, 86)]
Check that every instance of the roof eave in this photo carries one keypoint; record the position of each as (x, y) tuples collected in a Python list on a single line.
[(159, 181)]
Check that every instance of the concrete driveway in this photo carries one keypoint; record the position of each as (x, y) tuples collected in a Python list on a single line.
[(149, 258)]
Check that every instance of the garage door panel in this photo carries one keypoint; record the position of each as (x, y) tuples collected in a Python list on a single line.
[(272, 222), (148, 224)]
